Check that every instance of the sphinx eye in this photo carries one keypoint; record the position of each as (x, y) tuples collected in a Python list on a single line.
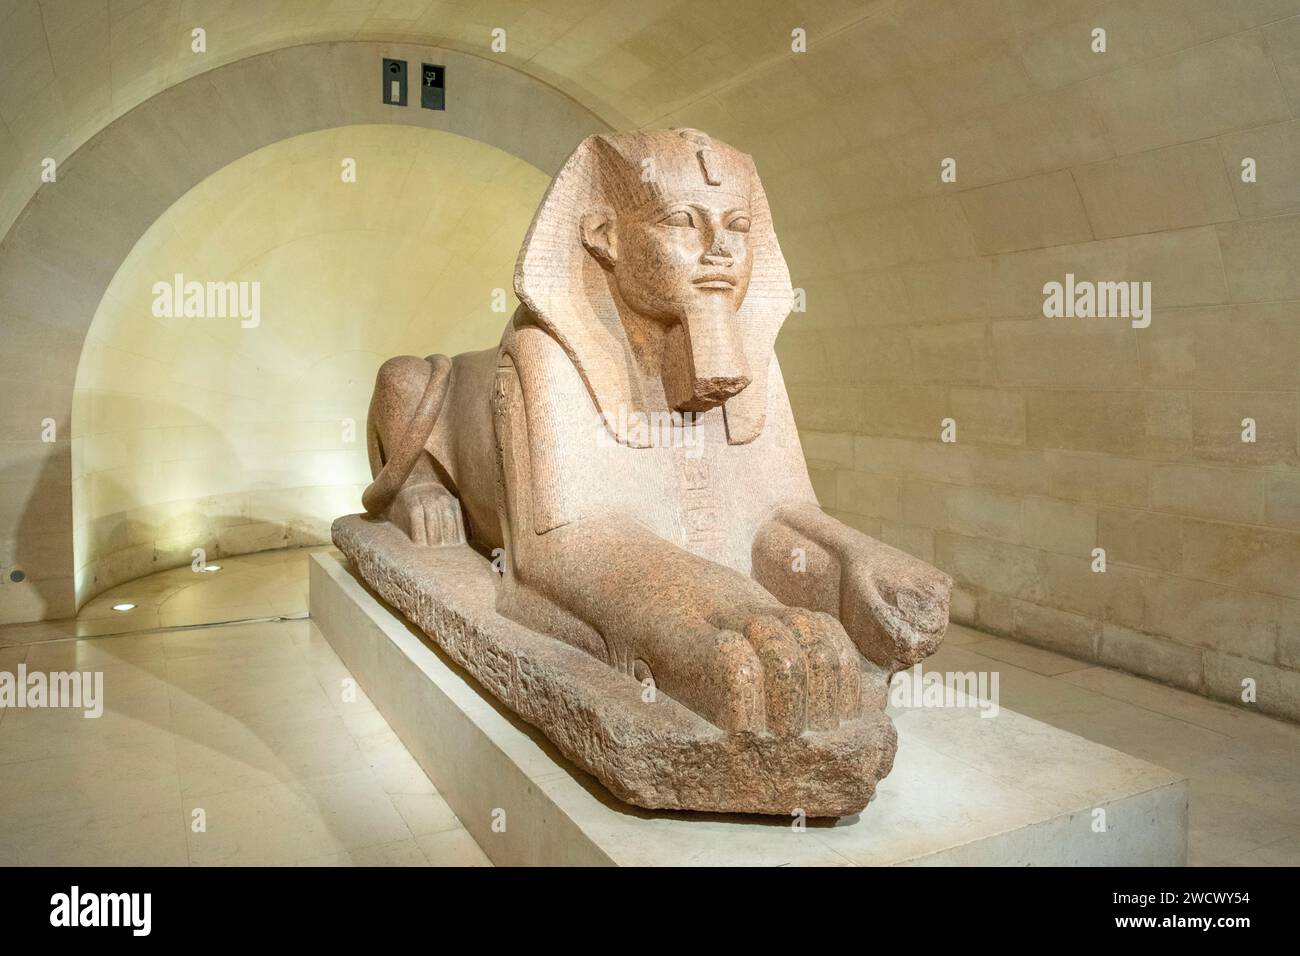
[(681, 217), (739, 224)]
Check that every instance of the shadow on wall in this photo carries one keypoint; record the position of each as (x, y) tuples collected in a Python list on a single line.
[(36, 573)]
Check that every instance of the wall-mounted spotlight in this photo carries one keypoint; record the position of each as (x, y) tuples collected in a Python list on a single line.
[(394, 78)]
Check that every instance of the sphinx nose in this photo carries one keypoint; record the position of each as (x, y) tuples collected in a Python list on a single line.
[(717, 253)]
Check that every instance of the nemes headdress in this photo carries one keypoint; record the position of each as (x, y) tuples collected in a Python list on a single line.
[(565, 288)]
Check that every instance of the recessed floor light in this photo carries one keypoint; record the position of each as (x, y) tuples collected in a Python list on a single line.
[(124, 606), (213, 567)]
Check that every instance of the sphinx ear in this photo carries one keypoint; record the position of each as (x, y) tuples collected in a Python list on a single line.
[(598, 236)]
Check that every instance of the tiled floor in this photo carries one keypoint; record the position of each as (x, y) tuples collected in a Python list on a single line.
[(218, 745), (236, 743), (1243, 768), (248, 587)]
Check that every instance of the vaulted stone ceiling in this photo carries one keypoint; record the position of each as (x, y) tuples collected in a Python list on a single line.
[(69, 67)]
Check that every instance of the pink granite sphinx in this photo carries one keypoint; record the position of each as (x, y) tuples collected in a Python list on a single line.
[(608, 520)]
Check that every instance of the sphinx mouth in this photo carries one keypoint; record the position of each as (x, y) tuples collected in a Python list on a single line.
[(714, 280)]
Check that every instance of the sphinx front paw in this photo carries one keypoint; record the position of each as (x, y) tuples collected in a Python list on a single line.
[(761, 669), (429, 514), (896, 608)]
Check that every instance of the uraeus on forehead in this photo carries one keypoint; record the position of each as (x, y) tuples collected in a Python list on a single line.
[(650, 166)]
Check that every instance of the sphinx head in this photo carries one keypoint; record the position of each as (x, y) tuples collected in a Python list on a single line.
[(660, 239), (673, 237)]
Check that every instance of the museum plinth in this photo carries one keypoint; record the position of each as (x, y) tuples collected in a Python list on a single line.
[(965, 789)]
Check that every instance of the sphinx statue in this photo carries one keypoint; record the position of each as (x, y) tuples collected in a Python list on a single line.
[(607, 519)]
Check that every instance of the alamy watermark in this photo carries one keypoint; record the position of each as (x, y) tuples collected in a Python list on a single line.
[(36, 689), (179, 299), (130, 910), (657, 429), (1098, 300), (935, 689)]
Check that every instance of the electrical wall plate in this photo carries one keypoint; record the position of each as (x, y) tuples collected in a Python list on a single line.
[(433, 86), (394, 82)]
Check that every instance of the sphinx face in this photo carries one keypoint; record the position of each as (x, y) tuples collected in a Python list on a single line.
[(685, 255), (684, 262)]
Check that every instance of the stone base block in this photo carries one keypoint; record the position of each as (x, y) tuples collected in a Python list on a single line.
[(965, 790)]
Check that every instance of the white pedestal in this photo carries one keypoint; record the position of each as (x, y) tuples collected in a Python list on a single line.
[(964, 790)]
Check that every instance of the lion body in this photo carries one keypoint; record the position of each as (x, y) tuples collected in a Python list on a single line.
[(688, 484)]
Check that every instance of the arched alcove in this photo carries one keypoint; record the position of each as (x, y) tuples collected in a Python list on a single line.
[(244, 431), (59, 258)]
